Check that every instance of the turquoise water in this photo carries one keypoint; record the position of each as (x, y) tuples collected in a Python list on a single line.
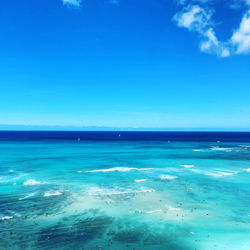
[(124, 195)]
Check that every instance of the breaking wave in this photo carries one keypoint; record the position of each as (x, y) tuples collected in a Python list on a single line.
[(52, 193)]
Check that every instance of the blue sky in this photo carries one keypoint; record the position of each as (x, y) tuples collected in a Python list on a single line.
[(126, 63)]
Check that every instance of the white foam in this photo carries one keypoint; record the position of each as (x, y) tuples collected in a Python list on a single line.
[(196, 150), (3, 179), (154, 211), (214, 173), (247, 169), (215, 148), (104, 192), (10, 178), (167, 177), (116, 169), (27, 196), (6, 217), (187, 166), (141, 180), (52, 193), (31, 182), (174, 209), (219, 174)]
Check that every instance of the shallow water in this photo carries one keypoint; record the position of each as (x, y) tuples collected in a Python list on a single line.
[(124, 194)]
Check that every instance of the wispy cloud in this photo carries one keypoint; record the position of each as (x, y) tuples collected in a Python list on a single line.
[(194, 18), (197, 16), (238, 4), (199, 20), (185, 2), (75, 3), (241, 37), (212, 45)]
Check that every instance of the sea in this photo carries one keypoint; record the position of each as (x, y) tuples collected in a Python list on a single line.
[(124, 190)]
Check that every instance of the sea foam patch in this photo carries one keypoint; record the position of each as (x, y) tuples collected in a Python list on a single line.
[(214, 173), (116, 169), (216, 148), (244, 146), (173, 208), (96, 191), (27, 196), (6, 217), (11, 178), (167, 177), (31, 182), (141, 180), (154, 211), (52, 193), (219, 174), (187, 166)]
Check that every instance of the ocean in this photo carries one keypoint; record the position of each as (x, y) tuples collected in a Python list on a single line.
[(124, 190)]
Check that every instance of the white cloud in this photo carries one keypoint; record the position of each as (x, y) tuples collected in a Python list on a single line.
[(238, 4), (75, 3), (197, 19), (212, 45), (241, 37), (225, 52), (182, 2), (193, 17)]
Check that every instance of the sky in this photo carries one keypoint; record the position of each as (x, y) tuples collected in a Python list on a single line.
[(139, 64)]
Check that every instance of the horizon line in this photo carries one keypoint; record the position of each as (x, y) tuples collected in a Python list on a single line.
[(63, 128), (22, 127)]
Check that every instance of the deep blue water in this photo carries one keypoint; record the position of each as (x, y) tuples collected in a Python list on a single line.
[(126, 136), (124, 190)]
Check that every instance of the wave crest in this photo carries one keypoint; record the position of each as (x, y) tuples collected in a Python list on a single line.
[(167, 177), (52, 193), (116, 169), (31, 182)]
